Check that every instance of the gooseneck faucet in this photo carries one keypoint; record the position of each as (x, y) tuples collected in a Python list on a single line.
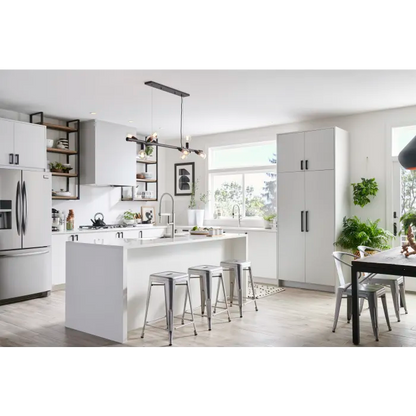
[(171, 216), (239, 214)]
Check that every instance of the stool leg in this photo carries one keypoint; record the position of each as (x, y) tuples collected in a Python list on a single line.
[(201, 284), (225, 295), (372, 304), (403, 296), (207, 279), (232, 282), (166, 308), (188, 294), (240, 289), (218, 292), (149, 290), (252, 287), (349, 308), (394, 287), (386, 311), (184, 305), (169, 286)]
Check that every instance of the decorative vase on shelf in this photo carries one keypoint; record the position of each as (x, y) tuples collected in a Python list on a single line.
[(191, 217), (268, 224), (199, 217)]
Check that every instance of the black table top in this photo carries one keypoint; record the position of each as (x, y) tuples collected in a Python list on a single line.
[(387, 262)]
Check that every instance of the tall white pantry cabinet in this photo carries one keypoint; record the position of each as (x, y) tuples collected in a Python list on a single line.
[(313, 198)]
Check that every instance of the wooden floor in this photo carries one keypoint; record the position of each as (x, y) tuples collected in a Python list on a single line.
[(293, 318)]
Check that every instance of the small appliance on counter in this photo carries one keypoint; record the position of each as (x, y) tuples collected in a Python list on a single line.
[(56, 219)]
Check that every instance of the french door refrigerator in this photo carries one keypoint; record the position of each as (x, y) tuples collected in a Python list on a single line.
[(25, 236)]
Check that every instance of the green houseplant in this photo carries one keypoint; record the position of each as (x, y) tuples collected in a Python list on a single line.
[(357, 233), (268, 220), (408, 220), (363, 190)]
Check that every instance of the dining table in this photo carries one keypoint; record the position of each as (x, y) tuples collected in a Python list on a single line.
[(392, 262)]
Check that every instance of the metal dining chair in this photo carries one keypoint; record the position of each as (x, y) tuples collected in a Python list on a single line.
[(395, 283), (365, 291)]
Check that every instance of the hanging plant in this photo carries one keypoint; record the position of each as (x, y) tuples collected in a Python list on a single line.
[(363, 190)]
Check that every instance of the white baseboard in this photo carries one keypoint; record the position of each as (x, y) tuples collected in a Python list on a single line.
[(58, 287), (307, 286)]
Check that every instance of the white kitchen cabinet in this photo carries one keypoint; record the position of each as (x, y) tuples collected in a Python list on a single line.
[(291, 226), (311, 206), (22, 145), (292, 146), (6, 142), (306, 151), (319, 149), (30, 145), (107, 158)]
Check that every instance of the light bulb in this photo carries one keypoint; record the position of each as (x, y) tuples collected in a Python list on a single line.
[(185, 151), (129, 136), (202, 154), (154, 135), (142, 154), (184, 156), (188, 139)]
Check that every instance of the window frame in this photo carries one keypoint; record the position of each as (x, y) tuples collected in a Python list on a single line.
[(211, 173)]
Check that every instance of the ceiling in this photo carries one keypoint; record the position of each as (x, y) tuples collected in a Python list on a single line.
[(219, 100)]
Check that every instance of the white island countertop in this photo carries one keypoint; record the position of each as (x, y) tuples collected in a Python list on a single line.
[(136, 243), (138, 227)]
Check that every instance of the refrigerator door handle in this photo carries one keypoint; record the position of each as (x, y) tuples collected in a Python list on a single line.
[(18, 208), (24, 203), (33, 253)]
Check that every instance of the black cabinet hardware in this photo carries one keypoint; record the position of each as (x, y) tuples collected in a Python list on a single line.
[(301, 165), (11, 157), (306, 164), (395, 229), (307, 225), (301, 221), (16, 159)]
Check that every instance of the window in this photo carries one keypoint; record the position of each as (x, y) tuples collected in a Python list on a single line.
[(243, 175)]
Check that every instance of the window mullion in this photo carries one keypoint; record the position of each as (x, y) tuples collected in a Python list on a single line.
[(244, 195)]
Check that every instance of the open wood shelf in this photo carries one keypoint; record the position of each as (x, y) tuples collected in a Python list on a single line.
[(58, 127), (67, 198), (147, 180), (137, 199), (146, 162), (61, 151), (66, 175)]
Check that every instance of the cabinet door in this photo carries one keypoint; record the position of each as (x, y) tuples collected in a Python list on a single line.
[(290, 152), (58, 258), (319, 149), (262, 248), (319, 204), (6, 142), (30, 145), (291, 205)]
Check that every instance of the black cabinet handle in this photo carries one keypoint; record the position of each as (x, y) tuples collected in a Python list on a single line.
[(301, 165), (301, 221), (122, 234), (11, 157), (307, 225), (16, 159), (395, 229), (76, 236), (306, 164)]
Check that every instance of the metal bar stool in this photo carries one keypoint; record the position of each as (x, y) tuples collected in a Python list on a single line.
[(205, 275), (169, 281), (236, 269)]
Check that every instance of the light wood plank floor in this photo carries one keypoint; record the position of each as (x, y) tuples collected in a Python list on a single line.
[(293, 318)]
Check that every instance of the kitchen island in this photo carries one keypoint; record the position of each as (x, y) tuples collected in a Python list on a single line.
[(107, 281)]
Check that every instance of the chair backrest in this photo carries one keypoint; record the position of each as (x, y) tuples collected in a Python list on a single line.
[(363, 250), (339, 257)]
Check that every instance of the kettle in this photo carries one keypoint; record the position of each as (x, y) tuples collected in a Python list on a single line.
[(98, 220)]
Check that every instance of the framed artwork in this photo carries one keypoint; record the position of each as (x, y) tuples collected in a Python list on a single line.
[(148, 215), (184, 177)]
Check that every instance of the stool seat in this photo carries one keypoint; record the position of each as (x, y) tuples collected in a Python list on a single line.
[(234, 263), (169, 275), (205, 268)]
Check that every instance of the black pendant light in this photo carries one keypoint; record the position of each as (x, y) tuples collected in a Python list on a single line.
[(407, 157)]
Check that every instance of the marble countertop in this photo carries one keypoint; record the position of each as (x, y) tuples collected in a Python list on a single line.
[(106, 230)]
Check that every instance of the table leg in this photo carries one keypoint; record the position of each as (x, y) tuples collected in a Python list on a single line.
[(355, 307)]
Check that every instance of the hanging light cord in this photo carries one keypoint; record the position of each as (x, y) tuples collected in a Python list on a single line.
[(181, 119)]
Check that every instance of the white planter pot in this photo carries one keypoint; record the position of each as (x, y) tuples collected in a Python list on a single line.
[(199, 217), (268, 224), (191, 217)]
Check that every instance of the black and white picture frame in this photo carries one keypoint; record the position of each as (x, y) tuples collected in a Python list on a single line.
[(184, 177)]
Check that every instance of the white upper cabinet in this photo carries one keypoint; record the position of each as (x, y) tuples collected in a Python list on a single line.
[(22, 145), (30, 145), (319, 150), (290, 152), (107, 159), (6, 142)]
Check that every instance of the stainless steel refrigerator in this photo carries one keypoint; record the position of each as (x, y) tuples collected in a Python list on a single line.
[(25, 234)]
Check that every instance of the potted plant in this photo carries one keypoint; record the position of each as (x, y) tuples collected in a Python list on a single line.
[(149, 151), (357, 233), (268, 221), (56, 167), (192, 204), (363, 190), (129, 217), (200, 213), (408, 220)]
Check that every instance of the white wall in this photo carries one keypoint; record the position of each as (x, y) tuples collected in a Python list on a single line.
[(369, 155), (96, 199)]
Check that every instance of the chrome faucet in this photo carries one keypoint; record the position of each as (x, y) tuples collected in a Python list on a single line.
[(239, 214), (171, 216)]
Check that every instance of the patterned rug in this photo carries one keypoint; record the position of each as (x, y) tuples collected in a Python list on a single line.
[(263, 290)]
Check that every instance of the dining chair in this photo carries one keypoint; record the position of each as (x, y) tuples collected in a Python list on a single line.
[(365, 291), (395, 283)]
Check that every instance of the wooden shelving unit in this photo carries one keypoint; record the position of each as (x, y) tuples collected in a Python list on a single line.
[(70, 128), (146, 182)]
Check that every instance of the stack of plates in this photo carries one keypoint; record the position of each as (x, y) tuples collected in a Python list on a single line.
[(63, 143)]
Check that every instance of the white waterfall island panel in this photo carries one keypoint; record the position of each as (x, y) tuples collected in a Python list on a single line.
[(106, 283)]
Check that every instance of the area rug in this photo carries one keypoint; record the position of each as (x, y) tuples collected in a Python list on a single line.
[(263, 290)]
